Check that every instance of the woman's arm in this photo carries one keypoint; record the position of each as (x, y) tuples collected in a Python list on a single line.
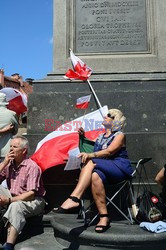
[(115, 146)]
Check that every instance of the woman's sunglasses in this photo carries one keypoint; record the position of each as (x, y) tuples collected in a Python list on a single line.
[(109, 115)]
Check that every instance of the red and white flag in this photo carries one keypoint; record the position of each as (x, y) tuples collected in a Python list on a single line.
[(54, 149), (83, 102), (17, 100), (80, 70)]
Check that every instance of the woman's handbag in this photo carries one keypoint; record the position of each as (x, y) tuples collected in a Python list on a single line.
[(150, 207)]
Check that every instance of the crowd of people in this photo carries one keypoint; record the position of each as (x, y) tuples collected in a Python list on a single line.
[(24, 193)]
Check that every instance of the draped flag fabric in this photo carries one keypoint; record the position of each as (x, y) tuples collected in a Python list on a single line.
[(80, 70), (83, 102), (17, 100), (54, 149)]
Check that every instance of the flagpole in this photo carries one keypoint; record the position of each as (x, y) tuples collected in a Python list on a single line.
[(90, 85)]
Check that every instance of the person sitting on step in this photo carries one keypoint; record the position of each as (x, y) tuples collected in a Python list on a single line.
[(24, 196)]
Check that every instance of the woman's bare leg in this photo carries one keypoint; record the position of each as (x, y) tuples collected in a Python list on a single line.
[(83, 182), (99, 195)]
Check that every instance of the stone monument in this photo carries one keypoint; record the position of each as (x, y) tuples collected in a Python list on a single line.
[(124, 42)]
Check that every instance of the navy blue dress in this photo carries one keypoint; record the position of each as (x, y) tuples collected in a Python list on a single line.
[(115, 168)]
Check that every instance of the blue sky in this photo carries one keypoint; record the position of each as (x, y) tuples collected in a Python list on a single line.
[(26, 37)]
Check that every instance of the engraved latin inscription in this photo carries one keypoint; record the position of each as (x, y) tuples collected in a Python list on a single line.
[(110, 26)]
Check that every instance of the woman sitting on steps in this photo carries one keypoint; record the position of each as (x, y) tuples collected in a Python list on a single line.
[(108, 163)]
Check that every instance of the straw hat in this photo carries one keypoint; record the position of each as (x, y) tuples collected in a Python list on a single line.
[(3, 101)]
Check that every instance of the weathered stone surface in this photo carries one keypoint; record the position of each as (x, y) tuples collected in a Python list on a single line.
[(112, 26)]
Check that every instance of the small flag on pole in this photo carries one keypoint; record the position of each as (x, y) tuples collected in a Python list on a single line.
[(80, 70), (83, 102)]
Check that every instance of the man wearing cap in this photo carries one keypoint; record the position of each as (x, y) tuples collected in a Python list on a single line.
[(8, 126)]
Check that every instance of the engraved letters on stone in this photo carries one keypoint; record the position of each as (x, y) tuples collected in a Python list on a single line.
[(110, 26)]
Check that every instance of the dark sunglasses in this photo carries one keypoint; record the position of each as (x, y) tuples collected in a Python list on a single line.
[(109, 115)]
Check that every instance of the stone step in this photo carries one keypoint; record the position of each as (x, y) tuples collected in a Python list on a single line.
[(71, 233), (66, 231)]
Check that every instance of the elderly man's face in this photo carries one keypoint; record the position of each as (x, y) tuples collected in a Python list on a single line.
[(16, 149)]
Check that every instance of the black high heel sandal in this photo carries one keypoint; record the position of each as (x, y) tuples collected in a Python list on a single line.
[(72, 210), (102, 228)]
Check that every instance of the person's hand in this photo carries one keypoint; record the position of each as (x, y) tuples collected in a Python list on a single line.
[(84, 157), (8, 128), (9, 157), (4, 200), (81, 132)]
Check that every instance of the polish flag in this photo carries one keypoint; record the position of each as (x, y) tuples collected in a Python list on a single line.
[(54, 149), (80, 70), (17, 100), (83, 102)]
